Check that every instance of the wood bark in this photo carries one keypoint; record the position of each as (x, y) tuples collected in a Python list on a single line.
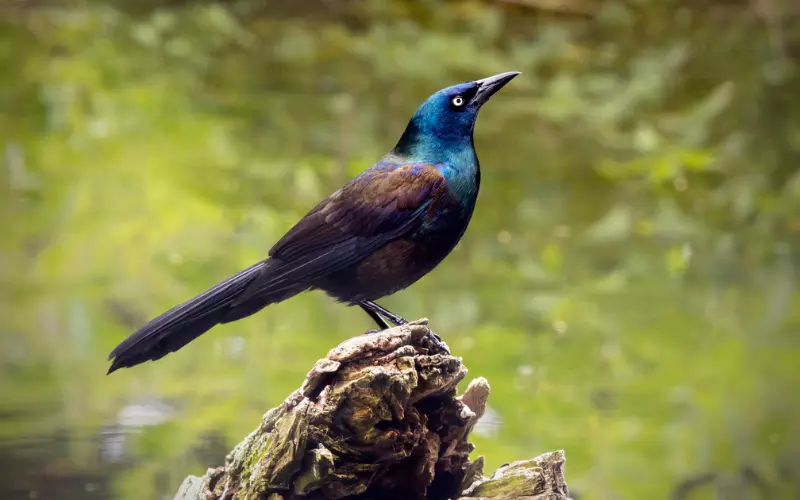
[(378, 418)]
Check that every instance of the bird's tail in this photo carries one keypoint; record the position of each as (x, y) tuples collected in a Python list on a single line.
[(235, 298)]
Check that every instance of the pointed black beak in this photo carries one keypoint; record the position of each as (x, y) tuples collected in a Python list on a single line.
[(487, 87)]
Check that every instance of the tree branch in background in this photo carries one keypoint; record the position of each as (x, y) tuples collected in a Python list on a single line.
[(572, 7), (379, 418)]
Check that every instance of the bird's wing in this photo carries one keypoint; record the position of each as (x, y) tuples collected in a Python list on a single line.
[(379, 203), (383, 203)]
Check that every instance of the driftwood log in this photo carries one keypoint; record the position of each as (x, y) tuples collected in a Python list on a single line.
[(377, 418)]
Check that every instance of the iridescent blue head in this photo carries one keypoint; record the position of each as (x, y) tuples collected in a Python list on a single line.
[(447, 118)]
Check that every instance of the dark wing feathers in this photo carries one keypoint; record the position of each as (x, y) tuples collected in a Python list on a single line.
[(381, 204), (372, 209), (196, 313)]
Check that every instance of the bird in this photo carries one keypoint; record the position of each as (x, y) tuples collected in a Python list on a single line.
[(376, 235)]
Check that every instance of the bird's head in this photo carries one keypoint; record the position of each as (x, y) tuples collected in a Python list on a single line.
[(448, 115)]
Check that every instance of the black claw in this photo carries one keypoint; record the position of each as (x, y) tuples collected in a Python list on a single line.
[(437, 341), (381, 314)]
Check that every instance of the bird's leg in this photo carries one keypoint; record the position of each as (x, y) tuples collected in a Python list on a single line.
[(377, 312), (373, 308), (382, 324)]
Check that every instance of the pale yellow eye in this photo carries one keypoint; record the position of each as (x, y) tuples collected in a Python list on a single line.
[(458, 101)]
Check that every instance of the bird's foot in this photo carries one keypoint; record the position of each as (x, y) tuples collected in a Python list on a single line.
[(438, 342), (372, 330), (378, 313)]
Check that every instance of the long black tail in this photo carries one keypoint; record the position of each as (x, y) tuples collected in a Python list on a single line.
[(235, 298)]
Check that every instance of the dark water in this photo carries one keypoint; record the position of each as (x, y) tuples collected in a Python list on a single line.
[(43, 466)]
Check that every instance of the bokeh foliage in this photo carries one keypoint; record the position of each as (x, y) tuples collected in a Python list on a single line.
[(628, 284)]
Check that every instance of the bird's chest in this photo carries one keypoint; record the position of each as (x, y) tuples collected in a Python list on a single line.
[(403, 261), (441, 230)]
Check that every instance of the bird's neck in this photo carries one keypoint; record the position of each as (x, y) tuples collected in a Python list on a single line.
[(456, 150), (454, 156)]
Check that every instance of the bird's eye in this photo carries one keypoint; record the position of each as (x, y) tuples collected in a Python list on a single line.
[(457, 101)]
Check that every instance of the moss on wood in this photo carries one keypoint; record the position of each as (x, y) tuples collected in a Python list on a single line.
[(377, 418)]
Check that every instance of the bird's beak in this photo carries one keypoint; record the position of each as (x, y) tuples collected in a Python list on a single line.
[(487, 87)]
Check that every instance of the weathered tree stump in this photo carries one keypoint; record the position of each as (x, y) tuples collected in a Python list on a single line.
[(377, 418)]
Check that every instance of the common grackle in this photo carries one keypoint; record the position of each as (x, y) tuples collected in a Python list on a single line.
[(378, 234)]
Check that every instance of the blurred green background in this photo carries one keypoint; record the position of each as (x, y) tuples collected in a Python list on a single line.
[(628, 285)]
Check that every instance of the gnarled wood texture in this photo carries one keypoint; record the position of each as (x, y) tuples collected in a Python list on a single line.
[(377, 418)]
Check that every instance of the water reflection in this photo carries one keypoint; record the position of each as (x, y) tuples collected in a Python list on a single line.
[(44, 467), (130, 419)]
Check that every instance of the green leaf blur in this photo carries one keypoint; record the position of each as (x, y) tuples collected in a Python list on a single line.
[(628, 285)]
